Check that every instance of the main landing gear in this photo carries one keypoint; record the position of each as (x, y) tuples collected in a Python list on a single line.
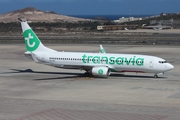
[(155, 76), (87, 74)]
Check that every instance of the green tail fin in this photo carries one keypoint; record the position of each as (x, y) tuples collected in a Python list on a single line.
[(31, 40)]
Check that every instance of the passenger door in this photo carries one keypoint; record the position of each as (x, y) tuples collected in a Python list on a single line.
[(151, 63)]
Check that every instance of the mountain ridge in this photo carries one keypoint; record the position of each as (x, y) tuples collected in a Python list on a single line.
[(35, 15)]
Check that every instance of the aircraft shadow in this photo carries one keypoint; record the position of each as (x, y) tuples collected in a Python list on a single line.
[(74, 75), (31, 71), (57, 78), (133, 76)]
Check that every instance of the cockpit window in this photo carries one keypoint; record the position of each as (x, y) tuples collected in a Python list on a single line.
[(162, 62)]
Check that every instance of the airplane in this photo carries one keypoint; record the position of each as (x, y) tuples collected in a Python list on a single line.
[(126, 29), (95, 64), (157, 28)]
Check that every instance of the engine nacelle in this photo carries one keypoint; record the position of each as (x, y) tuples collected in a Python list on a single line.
[(101, 71)]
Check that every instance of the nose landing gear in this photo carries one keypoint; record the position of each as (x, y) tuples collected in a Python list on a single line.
[(157, 75)]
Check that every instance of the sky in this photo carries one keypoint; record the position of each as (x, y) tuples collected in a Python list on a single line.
[(95, 7)]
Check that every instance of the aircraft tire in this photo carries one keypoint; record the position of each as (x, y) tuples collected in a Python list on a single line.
[(155, 76)]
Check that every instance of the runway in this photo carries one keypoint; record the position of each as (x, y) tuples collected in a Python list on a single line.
[(30, 91)]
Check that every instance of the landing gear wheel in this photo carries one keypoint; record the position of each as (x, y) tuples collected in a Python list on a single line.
[(87, 74), (155, 76)]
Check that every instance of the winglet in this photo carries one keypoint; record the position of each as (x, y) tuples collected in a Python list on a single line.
[(102, 49)]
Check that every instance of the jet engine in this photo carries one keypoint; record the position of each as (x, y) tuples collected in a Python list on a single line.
[(101, 71)]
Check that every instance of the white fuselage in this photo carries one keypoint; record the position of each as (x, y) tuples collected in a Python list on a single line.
[(117, 62)]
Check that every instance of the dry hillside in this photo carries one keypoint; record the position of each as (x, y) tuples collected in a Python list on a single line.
[(35, 15)]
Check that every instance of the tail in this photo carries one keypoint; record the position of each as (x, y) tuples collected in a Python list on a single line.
[(32, 42)]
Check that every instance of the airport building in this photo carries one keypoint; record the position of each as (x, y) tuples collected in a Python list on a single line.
[(123, 19), (116, 27)]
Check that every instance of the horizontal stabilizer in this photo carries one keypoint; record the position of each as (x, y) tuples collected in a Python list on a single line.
[(34, 58), (28, 55)]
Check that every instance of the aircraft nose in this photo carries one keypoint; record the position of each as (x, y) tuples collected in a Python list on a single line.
[(170, 67)]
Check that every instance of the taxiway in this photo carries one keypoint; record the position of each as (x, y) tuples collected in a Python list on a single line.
[(30, 91)]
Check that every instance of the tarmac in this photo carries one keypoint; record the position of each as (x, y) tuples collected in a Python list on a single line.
[(30, 91), (164, 31)]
